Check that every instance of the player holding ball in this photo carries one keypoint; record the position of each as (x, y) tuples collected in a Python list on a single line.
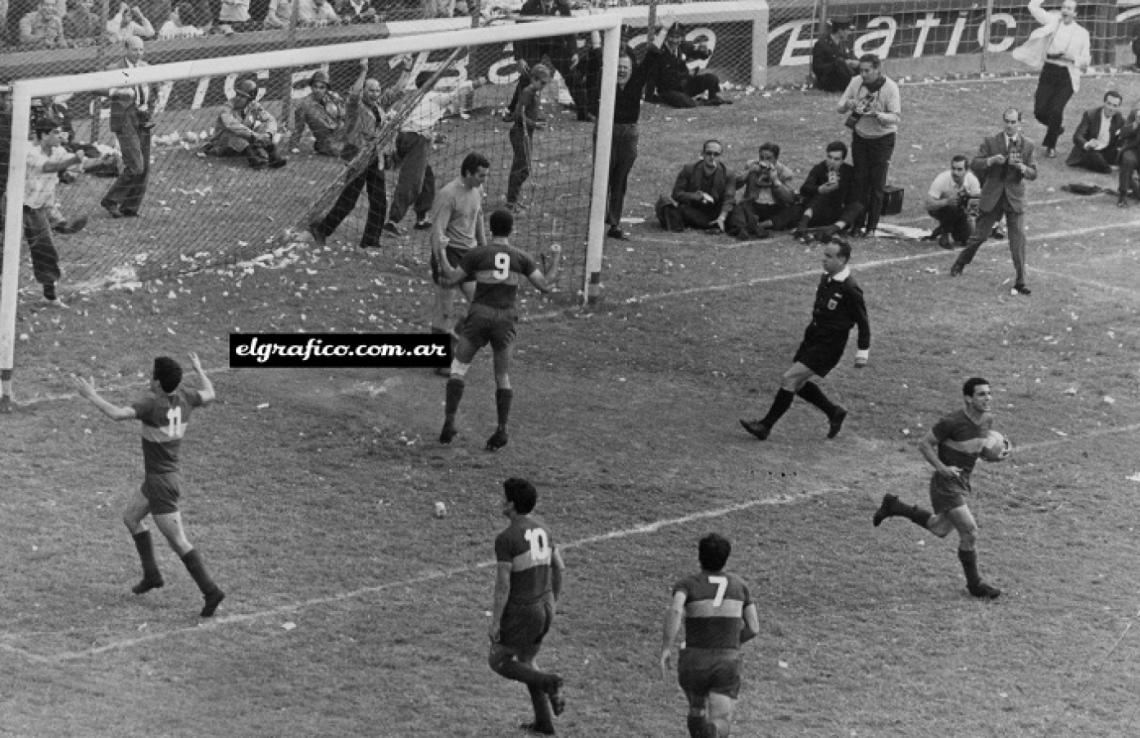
[(952, 447)]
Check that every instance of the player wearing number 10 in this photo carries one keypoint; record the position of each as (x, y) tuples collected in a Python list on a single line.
[(497, 269), (164, 416), (528, 582), (719, 615)]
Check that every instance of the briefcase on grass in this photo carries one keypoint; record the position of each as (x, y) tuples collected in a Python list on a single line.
[(892, 200)]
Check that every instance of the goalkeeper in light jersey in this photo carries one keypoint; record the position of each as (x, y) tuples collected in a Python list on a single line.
[(497, 270), (952, 447)]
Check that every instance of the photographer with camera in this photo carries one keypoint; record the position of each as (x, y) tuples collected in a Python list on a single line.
[(768, 199), (873, 108), (828, 203), (953, 201), (1007, 160)]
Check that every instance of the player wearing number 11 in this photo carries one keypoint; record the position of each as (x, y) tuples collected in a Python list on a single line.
[(719, 615), (164, 416), (528, 582)]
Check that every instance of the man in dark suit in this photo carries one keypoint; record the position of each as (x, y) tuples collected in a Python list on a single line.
[(828, 197), (1095, 142), (131, 107), (1003, 163), (833, 63), (671, 81), (702, 196)]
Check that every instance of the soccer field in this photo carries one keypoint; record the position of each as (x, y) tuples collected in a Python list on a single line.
[(351, 610)]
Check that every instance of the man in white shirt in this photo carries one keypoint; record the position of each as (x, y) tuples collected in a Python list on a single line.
[(45, 161), (1067, 55), (953, 202), (1096, 143), (415, 186)]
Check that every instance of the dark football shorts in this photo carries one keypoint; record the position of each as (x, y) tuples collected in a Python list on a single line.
[(947, 494), (454, 256), (820, 357), (524, 627), (485, 324), (161, 492), (704, 670)]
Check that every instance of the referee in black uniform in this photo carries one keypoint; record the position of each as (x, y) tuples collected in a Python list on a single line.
[(838, 306)]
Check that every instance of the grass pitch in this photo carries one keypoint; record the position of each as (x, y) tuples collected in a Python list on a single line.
[(353, 611)]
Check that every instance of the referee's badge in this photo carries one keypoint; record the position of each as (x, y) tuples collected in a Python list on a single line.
[(832, 303)]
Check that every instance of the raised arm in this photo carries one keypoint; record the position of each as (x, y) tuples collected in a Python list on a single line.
[(86, 388), (207, 391), (545, 282)]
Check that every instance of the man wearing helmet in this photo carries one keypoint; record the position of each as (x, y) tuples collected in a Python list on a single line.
[(245, 128), (322, 112)]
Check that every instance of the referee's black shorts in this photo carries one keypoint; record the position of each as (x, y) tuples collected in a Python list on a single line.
[(820, 356)]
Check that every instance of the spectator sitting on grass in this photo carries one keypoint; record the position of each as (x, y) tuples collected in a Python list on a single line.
[(670, 78), (245, 128), (702, 195), (767, 201), (828, 200)]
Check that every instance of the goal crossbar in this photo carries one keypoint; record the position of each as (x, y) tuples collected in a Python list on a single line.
[(24, 90)]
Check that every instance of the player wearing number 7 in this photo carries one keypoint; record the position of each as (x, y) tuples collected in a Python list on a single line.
[(719, 615), (528, 582), (164, 416), (497, 269)]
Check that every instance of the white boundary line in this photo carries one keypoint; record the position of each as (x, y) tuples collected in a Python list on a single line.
[(637, 530), (724, 287), (940, 253), (645, 528)]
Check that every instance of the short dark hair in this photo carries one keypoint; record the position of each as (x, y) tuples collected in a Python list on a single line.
[(958, 157), (472, 162), (972, 384), (872, 59), (711, 141), (844, 248), (168, 372), (1113, 93), (521, 494), (837, 146), (713, 551), (502, 223), (772, 148)]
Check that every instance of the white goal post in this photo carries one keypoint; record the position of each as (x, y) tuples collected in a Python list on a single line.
[(24, 90)]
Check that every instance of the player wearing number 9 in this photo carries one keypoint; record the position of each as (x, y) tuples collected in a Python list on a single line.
[(719, 615), (528, 582), (497, 269), (165, 414)]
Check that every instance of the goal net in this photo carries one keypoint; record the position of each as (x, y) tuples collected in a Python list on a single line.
[(201, 210)]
